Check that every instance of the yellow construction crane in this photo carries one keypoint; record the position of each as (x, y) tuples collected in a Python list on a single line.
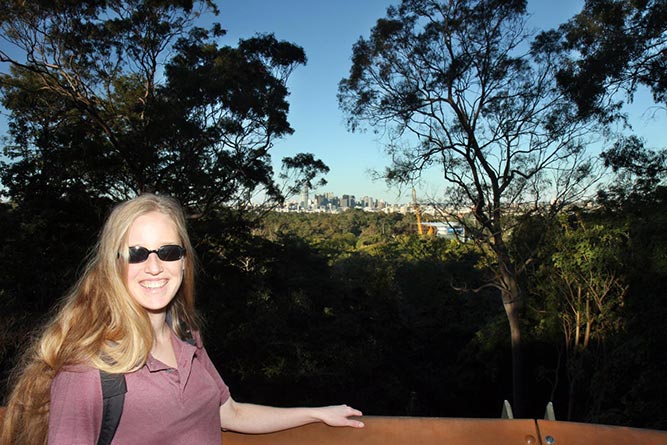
[(420, 226), (420, 230)]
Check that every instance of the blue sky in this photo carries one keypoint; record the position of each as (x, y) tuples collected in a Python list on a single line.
[(327, 30)]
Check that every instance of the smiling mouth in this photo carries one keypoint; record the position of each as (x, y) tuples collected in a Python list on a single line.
[(153, 284)]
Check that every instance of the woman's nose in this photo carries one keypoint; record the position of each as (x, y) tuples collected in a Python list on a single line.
[(153, 263)]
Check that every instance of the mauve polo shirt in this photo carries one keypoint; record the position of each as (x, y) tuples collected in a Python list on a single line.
[(162, 406)]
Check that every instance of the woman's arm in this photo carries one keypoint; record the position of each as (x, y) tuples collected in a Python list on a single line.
[(255, 419)]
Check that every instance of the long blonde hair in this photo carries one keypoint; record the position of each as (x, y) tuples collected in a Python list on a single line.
[(98, 323)]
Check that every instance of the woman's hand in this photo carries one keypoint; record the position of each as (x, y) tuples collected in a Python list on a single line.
[(339, 415)]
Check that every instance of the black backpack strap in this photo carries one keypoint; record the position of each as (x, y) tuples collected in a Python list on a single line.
[(113, 398), (189, 338)]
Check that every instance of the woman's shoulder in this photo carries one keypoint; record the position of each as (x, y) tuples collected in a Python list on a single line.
[(78, 369), (77, 381), (75, 411)]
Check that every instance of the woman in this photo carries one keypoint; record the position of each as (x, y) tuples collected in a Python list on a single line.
[(132, 312)]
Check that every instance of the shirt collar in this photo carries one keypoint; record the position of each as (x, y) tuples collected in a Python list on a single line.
[(183, 351)]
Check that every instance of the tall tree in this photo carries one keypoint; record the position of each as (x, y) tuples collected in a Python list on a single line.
[(118, 97), (453, 85)]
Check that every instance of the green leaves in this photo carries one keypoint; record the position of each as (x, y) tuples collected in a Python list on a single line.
[(614, 46)]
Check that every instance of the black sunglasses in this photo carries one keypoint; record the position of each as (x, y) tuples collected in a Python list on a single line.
[(169, 252)]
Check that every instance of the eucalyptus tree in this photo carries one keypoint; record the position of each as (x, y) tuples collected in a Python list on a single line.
[(117, 97), (456, 86)]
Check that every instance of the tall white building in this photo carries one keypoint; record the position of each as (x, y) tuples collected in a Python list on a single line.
[(304, 196)]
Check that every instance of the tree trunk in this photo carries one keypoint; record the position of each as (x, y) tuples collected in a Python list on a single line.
[(511, 303), (571, 392)]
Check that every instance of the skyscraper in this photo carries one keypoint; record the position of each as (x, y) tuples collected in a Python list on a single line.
[(304, 196)]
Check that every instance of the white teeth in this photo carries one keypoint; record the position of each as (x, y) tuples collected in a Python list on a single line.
[(153, 284)]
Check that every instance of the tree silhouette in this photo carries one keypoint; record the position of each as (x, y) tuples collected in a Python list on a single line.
[(453, 86)]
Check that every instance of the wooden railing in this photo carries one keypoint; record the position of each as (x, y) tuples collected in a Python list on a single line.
[(452, 431)]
